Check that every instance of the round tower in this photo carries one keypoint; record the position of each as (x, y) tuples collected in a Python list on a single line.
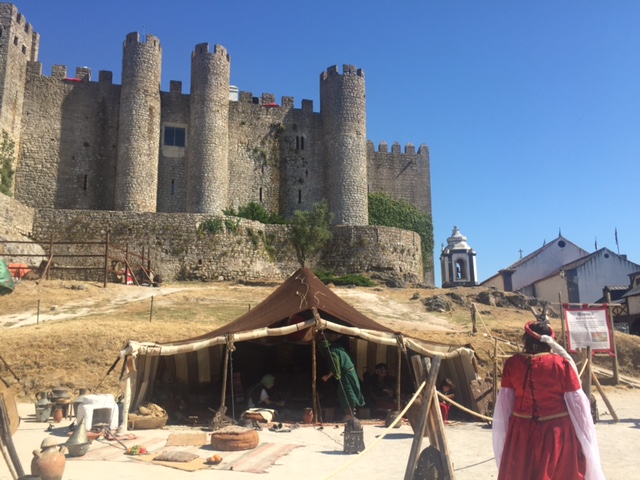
[(458, 262), (344, 124), (19, 45), (139, 130), (208, 157)]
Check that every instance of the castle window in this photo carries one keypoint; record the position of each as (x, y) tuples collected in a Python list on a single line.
[(260, 194), (299, 196), (299, 143), (173, 186), (84, 186), (24, 49), (15, 40), (174, 136)]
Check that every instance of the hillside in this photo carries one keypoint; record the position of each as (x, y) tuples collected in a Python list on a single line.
[(61, 333)]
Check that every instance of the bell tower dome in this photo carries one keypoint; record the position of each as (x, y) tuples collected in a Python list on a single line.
[(458, 262)]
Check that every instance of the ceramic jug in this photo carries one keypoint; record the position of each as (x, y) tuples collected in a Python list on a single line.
[(48, 463)]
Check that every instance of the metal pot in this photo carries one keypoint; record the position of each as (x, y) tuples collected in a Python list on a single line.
[(43, 407), (79, 399), (59, 393)]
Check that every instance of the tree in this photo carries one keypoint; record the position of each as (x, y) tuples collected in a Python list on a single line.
[(310, 231)]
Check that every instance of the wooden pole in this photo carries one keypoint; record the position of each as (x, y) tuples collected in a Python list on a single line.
[(151, 310), (314, 378), (562, 325), (586, 384), (106, 260), (416, 446), (224, 376), (495, 371), (398, 377), (616, 374), (7, 441), (474, 318), (596, 382)]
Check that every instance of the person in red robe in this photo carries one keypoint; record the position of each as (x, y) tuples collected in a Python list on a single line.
[(542, 424)]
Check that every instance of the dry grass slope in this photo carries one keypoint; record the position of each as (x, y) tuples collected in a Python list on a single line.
[(82, 326)]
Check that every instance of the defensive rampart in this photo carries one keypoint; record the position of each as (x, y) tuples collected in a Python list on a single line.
[(206, 248)]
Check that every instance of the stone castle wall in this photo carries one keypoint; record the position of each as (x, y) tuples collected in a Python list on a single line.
[(15, 217), (94, 146), (242, 249)]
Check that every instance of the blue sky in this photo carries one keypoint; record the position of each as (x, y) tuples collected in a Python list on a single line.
[(531, 110)]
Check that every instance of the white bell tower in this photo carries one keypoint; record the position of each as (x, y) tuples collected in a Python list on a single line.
[(458, 262)]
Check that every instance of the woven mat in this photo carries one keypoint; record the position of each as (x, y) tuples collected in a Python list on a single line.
[(196, 439), (192, 466), (262, 457)]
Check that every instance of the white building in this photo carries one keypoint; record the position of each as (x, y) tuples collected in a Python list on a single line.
[(458, 262)]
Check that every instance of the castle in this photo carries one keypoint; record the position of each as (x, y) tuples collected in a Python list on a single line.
[(93, 145)]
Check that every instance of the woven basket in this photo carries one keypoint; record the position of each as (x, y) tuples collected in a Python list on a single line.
[(146, 422), (233, 438)]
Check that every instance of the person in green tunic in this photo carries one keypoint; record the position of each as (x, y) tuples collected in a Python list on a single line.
[(342, 369)]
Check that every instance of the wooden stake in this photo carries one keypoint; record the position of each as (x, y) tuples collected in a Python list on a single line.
[(596, 382)]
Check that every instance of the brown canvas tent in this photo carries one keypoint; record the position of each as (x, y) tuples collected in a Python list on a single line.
[(289, 316)]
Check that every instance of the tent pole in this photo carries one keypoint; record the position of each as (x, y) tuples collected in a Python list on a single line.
[(126, 404), (314, 378), (224, 376), (398, 379)]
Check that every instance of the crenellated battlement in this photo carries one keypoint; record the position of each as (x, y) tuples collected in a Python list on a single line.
[(151, 41), (347, 70), (218, 50), (396, 148), (270, 98)]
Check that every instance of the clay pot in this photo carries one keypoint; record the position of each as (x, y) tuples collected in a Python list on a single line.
[(48, 463), (307, 415), (58, 414)]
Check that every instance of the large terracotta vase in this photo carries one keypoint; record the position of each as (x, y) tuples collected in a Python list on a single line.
[(307, 415), (48, 463)]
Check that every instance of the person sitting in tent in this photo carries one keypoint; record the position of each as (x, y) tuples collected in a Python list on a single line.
[(261, 396), (446, 388), (380, 389), (341, 367)]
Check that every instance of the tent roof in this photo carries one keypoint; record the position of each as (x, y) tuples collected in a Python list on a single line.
[(291, 303)]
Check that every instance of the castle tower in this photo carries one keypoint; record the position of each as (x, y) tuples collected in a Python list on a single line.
[(19, 45), (458, 262), (208, 157), (344, 123), (139, 130)]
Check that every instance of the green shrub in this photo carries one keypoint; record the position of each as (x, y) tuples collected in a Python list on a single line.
[(385, 211), (7, 157), (255, 211), (349, 279), (212, 226)]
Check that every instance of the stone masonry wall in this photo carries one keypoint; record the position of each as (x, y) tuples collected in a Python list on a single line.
[(241, 249), (15, 217)]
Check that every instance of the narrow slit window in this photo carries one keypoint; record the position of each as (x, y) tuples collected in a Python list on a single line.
[(301, 143), (260, 194), (299, 196), (173, 186), (84, 185)]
